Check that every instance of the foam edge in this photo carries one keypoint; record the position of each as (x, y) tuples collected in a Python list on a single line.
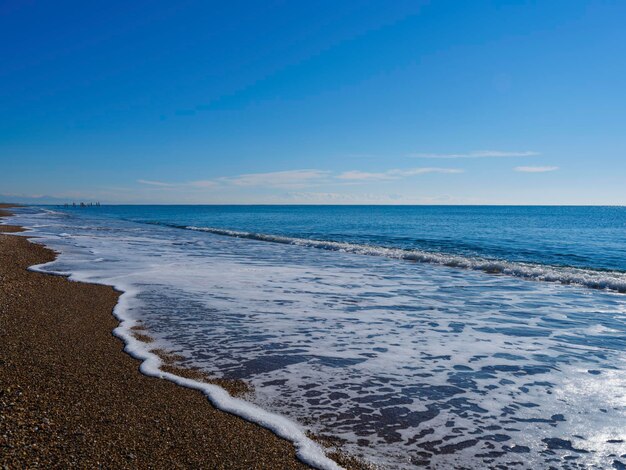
[(307, 450)]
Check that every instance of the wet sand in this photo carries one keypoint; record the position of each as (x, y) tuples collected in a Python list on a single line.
[(70, 397)]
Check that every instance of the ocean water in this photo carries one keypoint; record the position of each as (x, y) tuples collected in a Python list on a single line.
[(442, 337)]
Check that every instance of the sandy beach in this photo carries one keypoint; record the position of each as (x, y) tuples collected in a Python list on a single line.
[(70, 397)]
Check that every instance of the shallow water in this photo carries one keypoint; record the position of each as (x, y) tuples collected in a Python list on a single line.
[(407, 363)]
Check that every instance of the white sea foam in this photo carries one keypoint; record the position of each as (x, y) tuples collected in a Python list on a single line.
[(307, 450), (609, 280), (407, 363)]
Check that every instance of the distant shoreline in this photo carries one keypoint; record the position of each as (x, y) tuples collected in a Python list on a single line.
[(69, 397)]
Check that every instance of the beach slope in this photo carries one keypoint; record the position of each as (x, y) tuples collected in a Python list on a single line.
[(69, 396)]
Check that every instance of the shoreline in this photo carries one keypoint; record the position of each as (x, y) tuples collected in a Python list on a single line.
[(70, 396)]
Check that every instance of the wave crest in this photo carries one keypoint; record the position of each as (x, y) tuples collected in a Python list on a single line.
[(614, 281)]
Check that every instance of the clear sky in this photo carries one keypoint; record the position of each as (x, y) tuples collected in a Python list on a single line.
[(401, 102)]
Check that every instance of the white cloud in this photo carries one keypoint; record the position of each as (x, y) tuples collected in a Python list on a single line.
[(279, 179), (296, 179), (369, 198), (535, 169), (477, 154), (157, 183), (356, 175), (191, 184), (342, 198), (422, 171), (394, 174)]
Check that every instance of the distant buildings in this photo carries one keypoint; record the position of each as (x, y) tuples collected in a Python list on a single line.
[(82, 204)]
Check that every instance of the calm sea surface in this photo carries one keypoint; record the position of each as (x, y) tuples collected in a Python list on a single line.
[(447, 337)]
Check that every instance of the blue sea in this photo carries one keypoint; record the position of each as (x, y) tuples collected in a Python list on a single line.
[(441, 337)]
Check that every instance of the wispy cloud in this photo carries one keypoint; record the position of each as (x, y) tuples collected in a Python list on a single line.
[(296, 179), (476, 154), (190, 184), (394, 174), (279, 179), (356, 175), (339, 198), (157, 183), (369, 198), (422, 171), (535, 169)]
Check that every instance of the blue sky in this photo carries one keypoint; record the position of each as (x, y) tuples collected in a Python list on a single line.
[(440, 102)]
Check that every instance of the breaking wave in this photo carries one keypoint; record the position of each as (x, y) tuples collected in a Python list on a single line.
[(614, 281)]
